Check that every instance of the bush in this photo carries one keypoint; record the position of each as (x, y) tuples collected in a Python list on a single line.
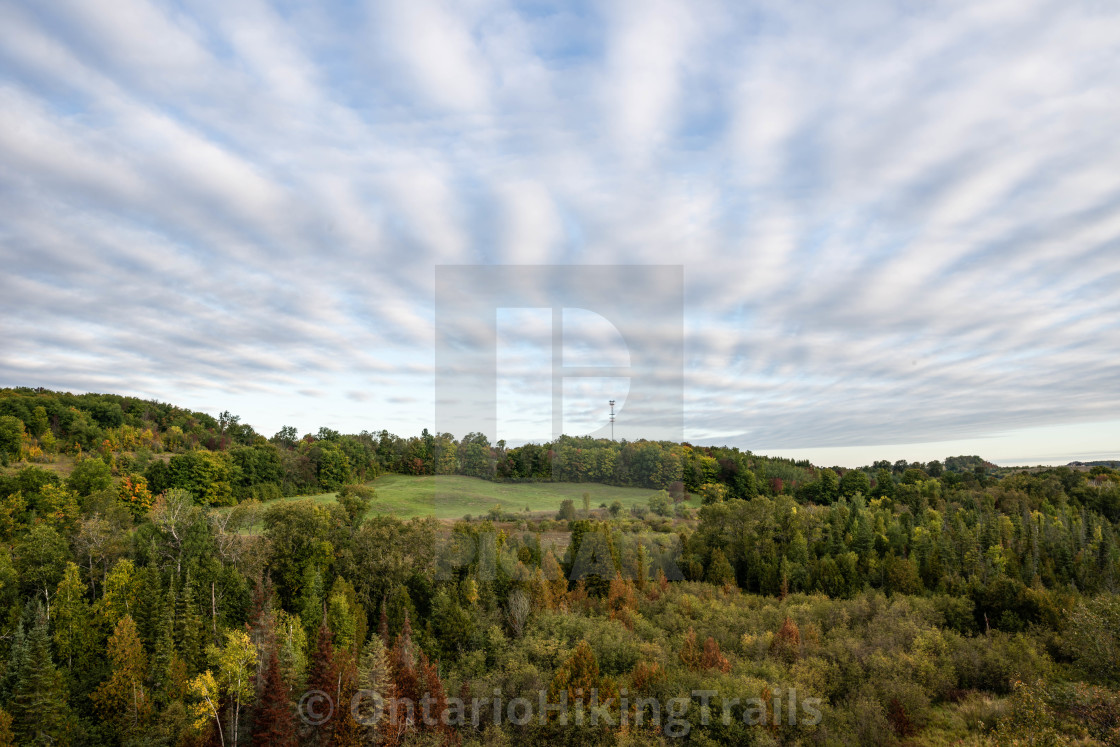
[(1092, 638), (89, 476)]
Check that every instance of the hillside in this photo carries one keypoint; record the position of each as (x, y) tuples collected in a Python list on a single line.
[(150, 556)]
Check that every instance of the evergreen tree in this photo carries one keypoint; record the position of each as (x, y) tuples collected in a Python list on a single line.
[(719, 569), (148, 613), (402, 662), (324, 676), (274, 723), (399, 609), (690, 654), (123, 698), (342, 616), (188, 626), (375, 677), (40, 713), (163, 653), (311, 599), (73, 634), (431, 689)]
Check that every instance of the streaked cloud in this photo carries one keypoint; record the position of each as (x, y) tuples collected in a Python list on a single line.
[(899, 222)]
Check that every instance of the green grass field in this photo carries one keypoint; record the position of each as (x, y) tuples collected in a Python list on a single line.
[(455, 496)]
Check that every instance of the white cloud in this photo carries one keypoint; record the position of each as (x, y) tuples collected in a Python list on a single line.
[(897, 225), (438, 50)]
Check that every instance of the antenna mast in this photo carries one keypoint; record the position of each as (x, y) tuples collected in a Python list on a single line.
[(612, 419)]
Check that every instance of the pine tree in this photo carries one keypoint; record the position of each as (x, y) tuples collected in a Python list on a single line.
[(787, 643), (148, 613), (642, 577), (342, 618), (375, 677), (40, 714), (18, 655), (712, 658), (188, 626), (163, 653), (556, 578), (400, 607), (262, 623), (73, 635), (274, 724)]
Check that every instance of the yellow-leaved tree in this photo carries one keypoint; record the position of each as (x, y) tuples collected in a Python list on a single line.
[(236, 663), (123, 698)]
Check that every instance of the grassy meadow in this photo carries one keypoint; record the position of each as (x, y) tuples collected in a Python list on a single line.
[(456, 496)]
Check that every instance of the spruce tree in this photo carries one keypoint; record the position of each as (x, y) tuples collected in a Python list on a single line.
[(374, 676), (149, 611), (163, 651), (40, 713), (188, 626)]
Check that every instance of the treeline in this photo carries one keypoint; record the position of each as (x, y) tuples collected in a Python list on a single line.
[(222, 461), (646, 464), (996, 547)]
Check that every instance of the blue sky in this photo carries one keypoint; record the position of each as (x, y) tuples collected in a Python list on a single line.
[(899, 222)]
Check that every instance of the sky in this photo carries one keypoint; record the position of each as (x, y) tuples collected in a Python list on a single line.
[(898, 222)]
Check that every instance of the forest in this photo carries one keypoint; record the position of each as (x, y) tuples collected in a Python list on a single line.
[(163, 582)]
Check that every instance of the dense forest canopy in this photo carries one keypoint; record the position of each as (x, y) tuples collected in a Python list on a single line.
[(158, 587)]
